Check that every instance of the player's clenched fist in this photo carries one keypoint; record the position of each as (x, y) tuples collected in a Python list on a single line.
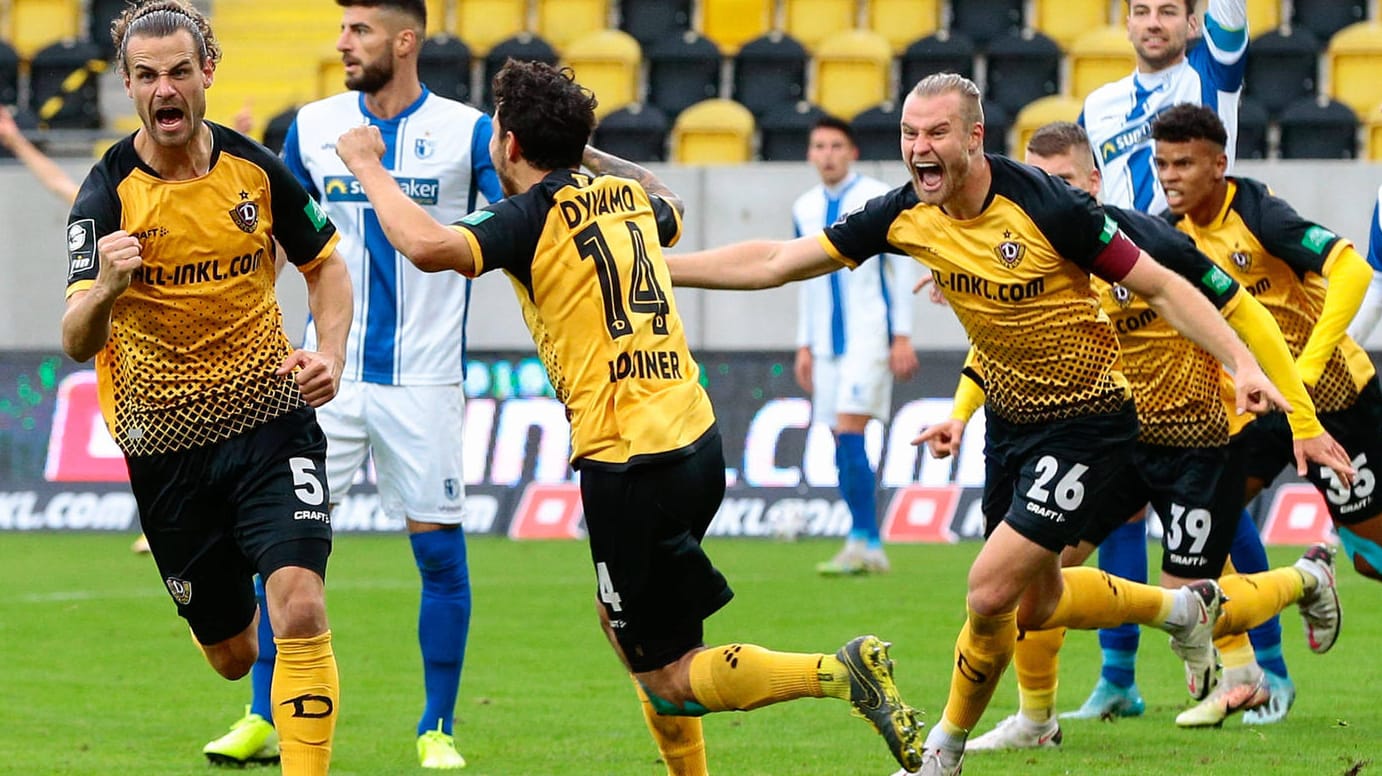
[(360, 143), (120, 258)]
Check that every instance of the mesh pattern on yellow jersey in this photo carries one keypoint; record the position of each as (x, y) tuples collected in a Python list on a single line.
[(1174, 382)]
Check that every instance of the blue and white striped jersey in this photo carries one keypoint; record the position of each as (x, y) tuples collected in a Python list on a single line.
[(409, 325), (1375, 234), (855, 312), (1118, 116)]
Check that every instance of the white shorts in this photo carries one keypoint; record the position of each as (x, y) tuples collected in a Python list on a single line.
[(851, 385), (414, 432)]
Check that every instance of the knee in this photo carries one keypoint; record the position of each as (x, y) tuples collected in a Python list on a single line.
[(670, 684), (232, 658), (989, 601), (297, 603)]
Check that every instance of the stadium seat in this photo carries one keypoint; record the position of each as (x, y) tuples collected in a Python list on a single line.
[(1037, 114), (279, 55), (1264, 16), (1022, 67), (983, 21), (997, 124), (35, 24), (561, 22), (1355, 66), (713, 132), (876, 132), (635, 132), (851, 72), (436, 16), (1098, 57), (444, 65), (1252, 129), (484, 23), (1283, 67), (330, 77), (606, 62), (784, 134), (768, 72), (732, 23), (99, 15), (682, 70), (9, 74), (1326, 17), (812, 21), (63, 88), (943, 52), (524, 47), (276, 131), (649, 21), (1375, 135), (1066, 20), (1318, 128), (902, 21)]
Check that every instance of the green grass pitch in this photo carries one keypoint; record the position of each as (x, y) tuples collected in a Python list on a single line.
[(98, 676)]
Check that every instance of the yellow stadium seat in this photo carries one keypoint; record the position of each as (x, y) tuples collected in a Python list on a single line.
[(1065, 20), (436, 16), (274, 55), (37, 23), (1263, 16), (713, 132), (851, 72), (483, 23), (732, 23), (606, 62), (1039, 113), (1099, 57), (561, 21), (811, 21), (1355, 66), (1375, 134), (902, 22)]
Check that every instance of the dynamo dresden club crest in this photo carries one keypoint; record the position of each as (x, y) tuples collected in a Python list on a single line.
[(1121, 296), (1010, 252), (246, 216)]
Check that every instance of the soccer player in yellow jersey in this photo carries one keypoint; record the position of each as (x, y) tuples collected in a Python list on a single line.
[(1183, 465), (1012, 250), (583, 253), (1313, 282), (170, 286)]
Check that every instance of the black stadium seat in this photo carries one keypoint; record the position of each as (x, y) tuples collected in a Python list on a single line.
[(9, 74), (650, 21), (1326, 17), (276, 131), (876, 132), (99, 15), (1252, 130), (1022, 67), (943, 52), (524, 47), (984, 21), (634, 132), (444, 65), (63, 89), (1281, 68), (997, 122), (785, 132), (770, 73), (683, 69), (1319, 128)]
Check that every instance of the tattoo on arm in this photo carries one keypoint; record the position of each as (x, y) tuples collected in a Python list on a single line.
[(601, 163)]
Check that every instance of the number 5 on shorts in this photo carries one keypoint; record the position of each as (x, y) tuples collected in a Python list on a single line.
[(307, 486), (607, 592)]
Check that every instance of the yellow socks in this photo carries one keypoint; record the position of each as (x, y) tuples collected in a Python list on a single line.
[(1093, 599), (679, 739), (1255, 598), (306, 691), (740, 677), (1037, 661), (1235, 651), (983, 650)]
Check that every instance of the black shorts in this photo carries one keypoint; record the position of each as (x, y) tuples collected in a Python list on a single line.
[(1268, 449), (217, 515), (645, 524), (1197, 494), (1047, 479)]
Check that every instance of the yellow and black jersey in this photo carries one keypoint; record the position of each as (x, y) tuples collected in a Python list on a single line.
[(1174, 381), (197, 336), (585, 260), (1017, 277), (1280, 258)]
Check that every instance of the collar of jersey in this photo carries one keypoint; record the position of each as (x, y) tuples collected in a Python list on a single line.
[(403, 114)]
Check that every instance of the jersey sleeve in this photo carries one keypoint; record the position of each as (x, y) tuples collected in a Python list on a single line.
[(668, 221), (292, 157), (863, 233), (502, 236), (481, 166), (1301, 243), (300, 225), (1075, 224), (95, 213), (1174, 250), (1223, 56)]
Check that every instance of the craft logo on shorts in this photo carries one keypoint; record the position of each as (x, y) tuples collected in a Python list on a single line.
[(1010, 252), (180, 589), (1241, 259), (246, 216), (1121, 295)]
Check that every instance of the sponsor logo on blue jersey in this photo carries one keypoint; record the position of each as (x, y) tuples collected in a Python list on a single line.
[(346, 188)]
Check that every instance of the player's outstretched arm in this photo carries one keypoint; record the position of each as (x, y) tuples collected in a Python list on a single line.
[(1191, 314), (752, 264), (431, 246), (86, 321), (329, 297), (40, 166), (602, 163), (1349, 276)]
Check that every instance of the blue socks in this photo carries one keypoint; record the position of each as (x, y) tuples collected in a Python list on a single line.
[(443, 621), (858, 487), (262, 675), (1123, 554), (1250, 557)]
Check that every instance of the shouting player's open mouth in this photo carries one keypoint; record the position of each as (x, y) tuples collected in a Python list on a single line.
[(930, 176), (169, 119)]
